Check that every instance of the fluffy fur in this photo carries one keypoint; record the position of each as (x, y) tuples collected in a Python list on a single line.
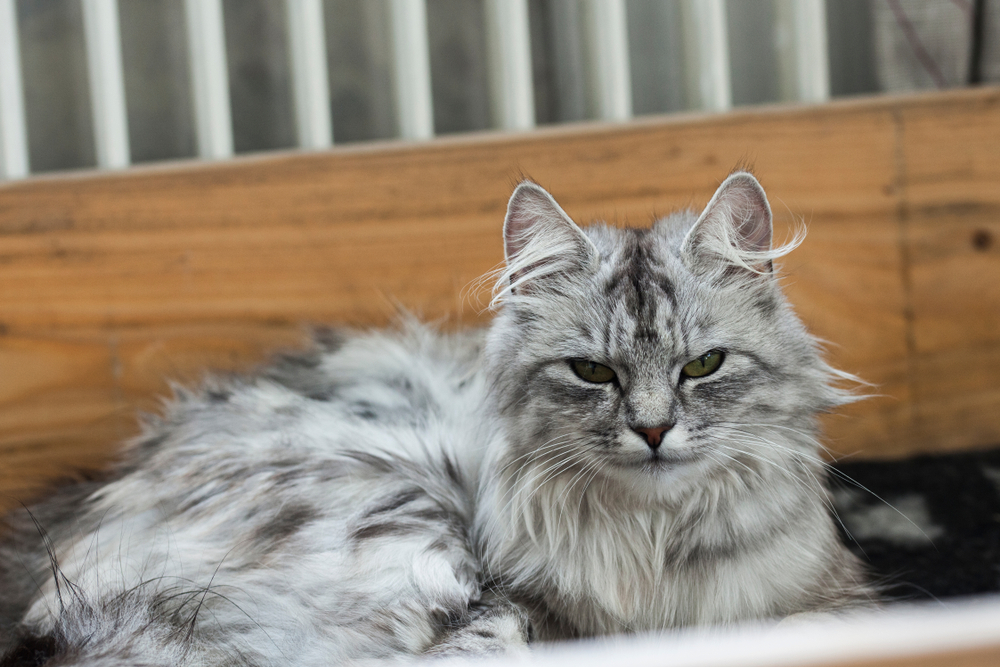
[(410, 492)]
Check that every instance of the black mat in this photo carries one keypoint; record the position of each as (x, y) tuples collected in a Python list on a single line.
[(944, 540)]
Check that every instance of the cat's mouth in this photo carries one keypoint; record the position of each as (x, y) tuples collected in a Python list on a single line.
[(670, 458), (660, 460)]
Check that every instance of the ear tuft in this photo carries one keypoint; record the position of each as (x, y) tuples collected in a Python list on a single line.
[(733, 234), (541, 242)]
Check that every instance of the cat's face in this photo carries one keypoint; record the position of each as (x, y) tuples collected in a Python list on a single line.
[(652, 356)]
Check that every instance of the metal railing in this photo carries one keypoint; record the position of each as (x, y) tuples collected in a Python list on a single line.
[(804, 71)]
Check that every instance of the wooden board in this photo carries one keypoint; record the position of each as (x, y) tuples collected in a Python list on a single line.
[(972, 657), (112, 283)]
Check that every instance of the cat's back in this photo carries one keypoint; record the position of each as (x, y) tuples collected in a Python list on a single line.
[(400, 396), (260, 488)]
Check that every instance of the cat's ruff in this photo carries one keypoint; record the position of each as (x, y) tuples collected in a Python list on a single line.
[(630, 446)]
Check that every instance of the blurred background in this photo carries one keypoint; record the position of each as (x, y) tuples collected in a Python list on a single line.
[(660, 55)]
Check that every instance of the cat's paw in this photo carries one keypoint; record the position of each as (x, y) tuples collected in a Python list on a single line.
[(503, 627)]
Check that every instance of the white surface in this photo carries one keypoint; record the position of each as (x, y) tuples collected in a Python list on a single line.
[(707, 50), (509, 38), (13, 132), (107, 83), (209, 78), (803, 53), (612, 72), (896, 633), (412, 68), (310, 82)]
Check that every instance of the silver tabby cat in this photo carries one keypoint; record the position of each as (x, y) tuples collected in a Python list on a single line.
[(630, 446)]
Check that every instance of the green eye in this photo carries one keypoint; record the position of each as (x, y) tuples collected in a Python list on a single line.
[(704, 365), (592, 372)]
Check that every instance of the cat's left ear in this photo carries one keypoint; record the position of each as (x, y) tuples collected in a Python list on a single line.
[(540, 240), (733, 234)]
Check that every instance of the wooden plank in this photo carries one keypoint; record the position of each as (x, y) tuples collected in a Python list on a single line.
[(951, 217), (111, 282), (971, 657)]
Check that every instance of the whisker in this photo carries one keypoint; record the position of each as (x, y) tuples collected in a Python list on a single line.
[(839, 474), (519, 487)]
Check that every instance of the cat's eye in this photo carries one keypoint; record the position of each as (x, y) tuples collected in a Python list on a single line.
[(592, 371), (704, 365)]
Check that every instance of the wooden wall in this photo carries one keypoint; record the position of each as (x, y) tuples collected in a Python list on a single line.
[(109, 284)]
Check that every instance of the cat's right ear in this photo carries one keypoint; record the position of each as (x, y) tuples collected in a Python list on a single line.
[(732, 237), (540, 240)]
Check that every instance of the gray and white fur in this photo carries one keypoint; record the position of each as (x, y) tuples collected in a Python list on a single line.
[(412, 492)]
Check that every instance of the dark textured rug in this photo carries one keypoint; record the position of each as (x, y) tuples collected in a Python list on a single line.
[(929, 526)]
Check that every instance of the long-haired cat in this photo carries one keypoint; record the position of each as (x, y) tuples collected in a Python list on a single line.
[(630, 446)]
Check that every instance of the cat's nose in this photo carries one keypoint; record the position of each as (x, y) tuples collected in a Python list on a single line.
[(653, 435)]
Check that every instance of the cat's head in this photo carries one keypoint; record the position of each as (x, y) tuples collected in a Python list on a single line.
[(653, 356)]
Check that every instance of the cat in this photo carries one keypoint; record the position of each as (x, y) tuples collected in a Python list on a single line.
[(630, 445)]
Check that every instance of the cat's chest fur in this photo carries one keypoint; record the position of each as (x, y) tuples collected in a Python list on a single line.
[(599, 571)]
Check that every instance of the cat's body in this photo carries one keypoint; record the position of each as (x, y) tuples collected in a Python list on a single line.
[(410, 492)]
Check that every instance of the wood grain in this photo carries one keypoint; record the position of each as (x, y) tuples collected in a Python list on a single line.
[(988, 656), (109, 284), (951, 218)]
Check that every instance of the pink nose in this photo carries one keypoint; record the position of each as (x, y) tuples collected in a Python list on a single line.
[(654, 435)]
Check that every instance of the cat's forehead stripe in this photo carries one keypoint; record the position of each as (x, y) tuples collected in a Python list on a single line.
[(642, 295)]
